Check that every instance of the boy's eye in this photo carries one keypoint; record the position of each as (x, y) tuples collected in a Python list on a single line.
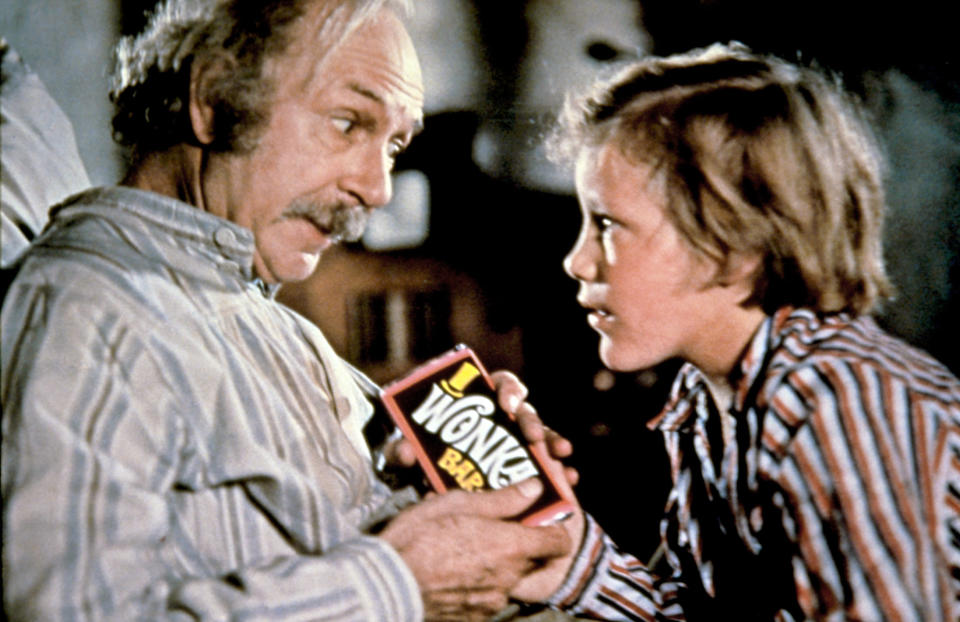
[(601, 222)]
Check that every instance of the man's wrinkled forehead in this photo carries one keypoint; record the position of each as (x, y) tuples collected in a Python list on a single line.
[(379, 41), (319, 30), (396, 67)]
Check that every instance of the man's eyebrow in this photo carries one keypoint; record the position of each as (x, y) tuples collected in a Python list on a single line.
[(365, 92), (356, 88)]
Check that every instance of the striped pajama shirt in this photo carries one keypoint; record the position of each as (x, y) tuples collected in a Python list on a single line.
[(829, 491), (176, 444)]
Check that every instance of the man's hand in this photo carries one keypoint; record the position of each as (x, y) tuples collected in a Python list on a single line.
[(467, 557)]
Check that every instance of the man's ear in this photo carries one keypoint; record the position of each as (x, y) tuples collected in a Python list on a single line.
[(204, 75)]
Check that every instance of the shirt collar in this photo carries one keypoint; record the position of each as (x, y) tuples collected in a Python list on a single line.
[(686, 392), (226, 244), (681, 404)]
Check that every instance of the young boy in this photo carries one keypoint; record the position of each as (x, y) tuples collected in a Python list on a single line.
[(732, 213)]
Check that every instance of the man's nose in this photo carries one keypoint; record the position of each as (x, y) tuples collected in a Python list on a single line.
[(370, 181)]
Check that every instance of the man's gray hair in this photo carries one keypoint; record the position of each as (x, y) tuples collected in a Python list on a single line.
[(151, 78)]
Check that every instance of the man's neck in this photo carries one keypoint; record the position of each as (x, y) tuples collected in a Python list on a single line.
[(174, 172)]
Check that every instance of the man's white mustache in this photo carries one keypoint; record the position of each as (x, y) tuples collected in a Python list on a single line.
[(339, 221)]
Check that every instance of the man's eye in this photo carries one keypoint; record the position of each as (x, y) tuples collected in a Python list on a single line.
[(344, 125), (394, 149)]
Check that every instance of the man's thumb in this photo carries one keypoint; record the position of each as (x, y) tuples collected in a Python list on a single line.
[(512, 500), (530, 488)]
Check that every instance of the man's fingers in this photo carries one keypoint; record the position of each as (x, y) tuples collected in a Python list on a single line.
[(502, 503), (463, 605)]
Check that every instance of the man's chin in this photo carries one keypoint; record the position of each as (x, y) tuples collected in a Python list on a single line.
[(301, 270), (291, 269)]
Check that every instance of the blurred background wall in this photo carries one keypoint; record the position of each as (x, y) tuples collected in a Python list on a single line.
[(470, 250), (68, 42)]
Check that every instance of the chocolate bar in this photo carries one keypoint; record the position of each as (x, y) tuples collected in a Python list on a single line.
[(447, 408)]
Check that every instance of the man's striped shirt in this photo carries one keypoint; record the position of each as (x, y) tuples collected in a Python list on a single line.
[(176, 444)]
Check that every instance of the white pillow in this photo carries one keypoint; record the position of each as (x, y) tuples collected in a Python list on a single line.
[(38, 153)]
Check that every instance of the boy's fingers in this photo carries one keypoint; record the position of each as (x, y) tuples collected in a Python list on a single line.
[(400, 453), (511, 393)]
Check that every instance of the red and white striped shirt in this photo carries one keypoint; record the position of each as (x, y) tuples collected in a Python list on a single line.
[(830, 490)]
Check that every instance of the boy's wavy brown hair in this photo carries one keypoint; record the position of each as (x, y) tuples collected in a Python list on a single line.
[(760, 156)]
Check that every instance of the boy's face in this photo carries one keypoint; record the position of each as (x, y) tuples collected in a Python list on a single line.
[(650, 295)]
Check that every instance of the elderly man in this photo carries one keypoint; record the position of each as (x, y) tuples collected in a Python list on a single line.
[(175, 443)]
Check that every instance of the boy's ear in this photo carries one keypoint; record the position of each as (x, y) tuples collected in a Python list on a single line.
[(741, 270), (203, 76)]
